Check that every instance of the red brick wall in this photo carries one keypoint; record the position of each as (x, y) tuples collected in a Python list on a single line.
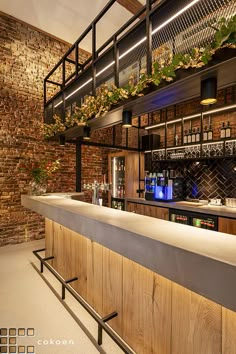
[(26, 57)]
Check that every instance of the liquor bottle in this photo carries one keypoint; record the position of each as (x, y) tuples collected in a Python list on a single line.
[(210, 133), (189, 136), (228, 131), (185, 137), (222, 131), (205, 134), (193, 136), (176, 139), (198, 135)]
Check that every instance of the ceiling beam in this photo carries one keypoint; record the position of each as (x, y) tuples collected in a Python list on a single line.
[(131, 5)]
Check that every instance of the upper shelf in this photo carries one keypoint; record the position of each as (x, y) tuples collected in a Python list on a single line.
[(185, 88)]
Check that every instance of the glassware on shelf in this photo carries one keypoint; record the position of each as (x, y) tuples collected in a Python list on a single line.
[(191, 152), (118, 177), (213, 149), (158, 155), (230, 148)]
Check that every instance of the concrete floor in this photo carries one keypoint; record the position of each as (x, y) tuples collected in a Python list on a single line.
[(26, 301)]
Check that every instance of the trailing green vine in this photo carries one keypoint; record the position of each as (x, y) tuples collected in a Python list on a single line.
[(164, 68)]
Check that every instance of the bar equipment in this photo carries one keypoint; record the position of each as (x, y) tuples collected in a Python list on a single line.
[(230, 202), (199, 220), (163, 186), (97, 189)]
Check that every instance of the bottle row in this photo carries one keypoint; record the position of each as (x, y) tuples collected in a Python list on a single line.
[(118, 205), (120, 165), (194, 135), (119, 191)]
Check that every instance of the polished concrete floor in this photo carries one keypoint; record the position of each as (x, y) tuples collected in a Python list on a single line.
[(28, 303)]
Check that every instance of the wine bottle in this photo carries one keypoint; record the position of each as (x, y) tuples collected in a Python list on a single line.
[(185, 137), (222, 131), (198, 135), (210, 133), (228, 131), (189, 136), (193, 136), (205, 134)]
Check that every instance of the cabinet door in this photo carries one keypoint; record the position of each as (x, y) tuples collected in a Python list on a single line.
[(131, 207), (227, 225), (157, 212)]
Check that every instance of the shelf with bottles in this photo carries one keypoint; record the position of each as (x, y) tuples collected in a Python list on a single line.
[(210, 125), (118, 203)]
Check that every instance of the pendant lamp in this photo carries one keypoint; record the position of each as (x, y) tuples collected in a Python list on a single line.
[(208, 91), (126, 119)]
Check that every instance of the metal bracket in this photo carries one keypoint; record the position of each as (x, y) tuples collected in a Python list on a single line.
[(45, 259), (105, 319), (63, 288)]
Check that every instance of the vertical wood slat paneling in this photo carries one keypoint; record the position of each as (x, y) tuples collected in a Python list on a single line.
[(196, 323), (155, 315), (112, 288), (79, 263), (146, 309), (227, 225), (94, 275), (228, 331)]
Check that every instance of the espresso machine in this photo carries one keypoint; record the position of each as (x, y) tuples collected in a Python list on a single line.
[(163, 186)]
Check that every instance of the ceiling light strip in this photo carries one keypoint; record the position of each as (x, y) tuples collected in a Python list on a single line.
[(174, 121), (155, 126), (58, 104), (180, 12), (79, 88), (192, 116), (220, 109)]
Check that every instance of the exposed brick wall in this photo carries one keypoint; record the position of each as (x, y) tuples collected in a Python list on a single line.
[(26, 57)]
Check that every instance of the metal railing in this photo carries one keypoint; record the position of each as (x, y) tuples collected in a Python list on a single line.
[(177, 25), (101, 321)]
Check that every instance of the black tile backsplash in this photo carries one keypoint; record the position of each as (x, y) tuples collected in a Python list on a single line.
[(205, 179)]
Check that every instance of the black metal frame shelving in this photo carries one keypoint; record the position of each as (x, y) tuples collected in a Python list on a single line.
[(168, 23)]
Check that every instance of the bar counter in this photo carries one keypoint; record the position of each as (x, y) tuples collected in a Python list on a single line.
[(200, 260)]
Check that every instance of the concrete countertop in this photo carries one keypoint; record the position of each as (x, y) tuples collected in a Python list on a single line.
[(201, 260), (222, 211)]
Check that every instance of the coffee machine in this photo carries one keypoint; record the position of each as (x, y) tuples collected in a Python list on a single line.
[(164, 186)]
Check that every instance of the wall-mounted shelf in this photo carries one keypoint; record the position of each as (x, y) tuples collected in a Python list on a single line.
[(206, 150)]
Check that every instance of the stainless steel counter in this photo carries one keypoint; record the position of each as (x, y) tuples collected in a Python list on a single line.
[(222, 211), (200, 260)]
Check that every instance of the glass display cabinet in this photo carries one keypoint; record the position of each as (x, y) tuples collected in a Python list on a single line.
[(118, 182), (124, 170)]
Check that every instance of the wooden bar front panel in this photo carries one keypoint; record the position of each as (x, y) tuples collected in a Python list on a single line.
[(155, 315)]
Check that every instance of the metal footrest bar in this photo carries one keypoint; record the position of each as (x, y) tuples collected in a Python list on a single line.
[(63, 289), (101, 321), (45, 259), (105, 319)]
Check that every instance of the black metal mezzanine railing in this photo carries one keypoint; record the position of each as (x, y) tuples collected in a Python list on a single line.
[(179, 25)]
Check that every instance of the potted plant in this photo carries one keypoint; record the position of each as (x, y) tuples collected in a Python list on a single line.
[(39, 173)]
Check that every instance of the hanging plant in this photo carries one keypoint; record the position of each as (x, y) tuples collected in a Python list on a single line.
[(164, 68)]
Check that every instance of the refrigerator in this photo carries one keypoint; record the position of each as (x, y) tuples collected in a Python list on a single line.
[(118, 182), (199, 220)]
